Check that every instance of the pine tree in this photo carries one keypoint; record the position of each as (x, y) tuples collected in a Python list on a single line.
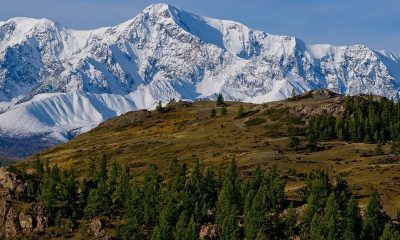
[(69, 193), (167, 221), (122, 190), (159, 107), (48, 193), (229, 197), (352, 221), (229, 229), (294, 142), (191, 231), (181, 226), (220, 100), (390, 233), (92, 208), (151, 194), (373, 223), (330, 221), (290, 222), (315, 232)]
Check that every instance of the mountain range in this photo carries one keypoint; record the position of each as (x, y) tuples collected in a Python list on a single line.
[(56, 82)]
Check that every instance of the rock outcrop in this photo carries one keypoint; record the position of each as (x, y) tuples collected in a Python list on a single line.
[(210, 232), (17, 215)]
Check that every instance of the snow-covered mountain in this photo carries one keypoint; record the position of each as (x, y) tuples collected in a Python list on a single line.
[(57, 82)]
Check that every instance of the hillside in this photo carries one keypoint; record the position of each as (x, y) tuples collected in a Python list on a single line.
[(258, 137), (56, 82)]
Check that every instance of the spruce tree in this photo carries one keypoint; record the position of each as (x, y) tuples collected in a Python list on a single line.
[(229, 229), (151, 193), (290, 222), (220, 100), (159, 107), (352, 221), (390, 233), (191, 231), (93, 206), (229, 198), (373, 223)]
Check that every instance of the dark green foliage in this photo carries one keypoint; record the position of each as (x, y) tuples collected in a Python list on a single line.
[(364, 120), (255, 121), (187, 199), (352, 221), (294, 140), (290, 222), (229, 198), (374, 221), (220, 100), (390, 233), (159, 107)]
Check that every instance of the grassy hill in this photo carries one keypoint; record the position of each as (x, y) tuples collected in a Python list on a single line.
[(257, 137)]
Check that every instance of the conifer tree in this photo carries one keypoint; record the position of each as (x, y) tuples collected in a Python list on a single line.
[(220, 100), (151, 194), (163, 231), (229, 197), (181, 226), (352, 221), (229, 229), (93, 206), (294, 142), (330, 222), (373, 223), (191, 231), (390, 233), (159, 107), (290, 222)]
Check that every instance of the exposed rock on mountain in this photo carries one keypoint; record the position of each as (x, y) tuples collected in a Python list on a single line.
[(57, 82)]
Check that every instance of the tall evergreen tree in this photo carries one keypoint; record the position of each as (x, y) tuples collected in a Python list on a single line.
[(373, 223), (352, 221), (220, 100)]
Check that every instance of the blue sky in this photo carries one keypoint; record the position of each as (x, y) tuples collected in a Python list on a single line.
[(340, 22)]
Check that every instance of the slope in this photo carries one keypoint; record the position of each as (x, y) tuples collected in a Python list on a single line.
[(186, 131)]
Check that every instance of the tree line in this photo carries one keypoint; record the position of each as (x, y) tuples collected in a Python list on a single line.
[(177, 205), (364, 120)]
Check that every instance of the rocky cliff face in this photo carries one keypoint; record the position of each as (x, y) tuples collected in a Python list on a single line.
[(56, 82), (17, 216)]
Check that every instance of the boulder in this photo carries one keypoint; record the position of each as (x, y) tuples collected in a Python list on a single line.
[(96, 228), (10, 186), (11, 226), (26, 222), (210, 232)]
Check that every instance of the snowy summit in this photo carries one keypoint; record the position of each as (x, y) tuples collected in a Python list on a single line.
[(57, 82)]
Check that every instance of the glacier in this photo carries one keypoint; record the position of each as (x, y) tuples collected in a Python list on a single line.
[(56, 82)]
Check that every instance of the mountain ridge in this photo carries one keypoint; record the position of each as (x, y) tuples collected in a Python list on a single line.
[(59, 82)]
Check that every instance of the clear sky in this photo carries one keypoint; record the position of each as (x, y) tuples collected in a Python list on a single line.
[(375, 23)]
